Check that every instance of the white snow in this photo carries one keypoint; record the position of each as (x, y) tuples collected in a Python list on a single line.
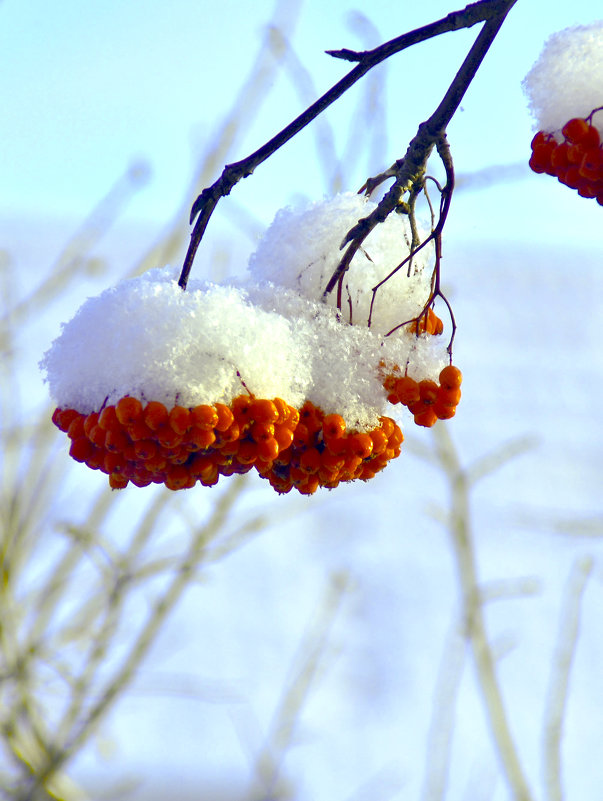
[(567, 79), (269, 335)]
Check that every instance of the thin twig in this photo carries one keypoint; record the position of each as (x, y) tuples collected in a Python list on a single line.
[(462, 540), (569, 627), (206, 202), (142, 643), (410, 170)]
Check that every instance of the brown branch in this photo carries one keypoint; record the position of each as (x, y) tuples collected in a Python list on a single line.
[(410, 170), (207, 201)]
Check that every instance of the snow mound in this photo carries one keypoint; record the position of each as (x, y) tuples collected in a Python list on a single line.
[(567, 79)]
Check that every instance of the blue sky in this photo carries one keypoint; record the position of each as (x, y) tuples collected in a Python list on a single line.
[(89, 88)]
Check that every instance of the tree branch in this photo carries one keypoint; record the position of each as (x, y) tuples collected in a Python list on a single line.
[(410, 170), (207, 201)]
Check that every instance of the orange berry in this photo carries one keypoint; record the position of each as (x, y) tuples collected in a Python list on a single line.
[(116, 441), (247, 452), (591, 166), (387, 426), (260, 431), (241, 408), (117, 481), (309, 486), (426, 418), (284, 456), (81, 449), (310, 461), (281, 485), (230, 448), (76, 428), (211, 479), (407, 390), (268, 449), (179, 419), (231, 434), (448, 397), (97, 436), (204, 416), (89, 422), (396, 438), (301, 435), (128, 410), (442, 411), (575, 130), (292, 417), (428, 323), (360, 445), (328, 478), (451, 377), (155, 415), (113, 463), (282, 408), (145, 449), (311, 416), (202, 465), (96, 458), (264, 411), (202, 438), (379, 439), (108, 419), (333, 426), (225, 417), (283, 435), (332, 462), (559, 156), (428, 391), (177, 478), (350, 466), (156, 463), (166, 436), (62, 418), (139, 430)]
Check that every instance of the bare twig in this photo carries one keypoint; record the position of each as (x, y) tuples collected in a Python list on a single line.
[(462, 540), (409, 172), (493, 11), (84, 727), (569, 626)]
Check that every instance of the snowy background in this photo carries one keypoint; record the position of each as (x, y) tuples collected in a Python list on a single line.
[(367, 572)]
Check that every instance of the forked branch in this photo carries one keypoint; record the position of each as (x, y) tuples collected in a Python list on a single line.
[(492, 12)]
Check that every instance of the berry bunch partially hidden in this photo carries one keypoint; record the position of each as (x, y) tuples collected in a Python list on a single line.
[(426, 400), (577, 161), (301, 449)]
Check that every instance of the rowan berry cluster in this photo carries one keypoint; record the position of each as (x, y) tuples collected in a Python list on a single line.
[(301, 449), (427, 401), (577, 161)]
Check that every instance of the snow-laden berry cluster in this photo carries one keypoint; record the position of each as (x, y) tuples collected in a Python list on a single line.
[(565, 92), (154, 384)]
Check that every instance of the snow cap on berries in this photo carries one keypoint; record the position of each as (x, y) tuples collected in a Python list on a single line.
[(270, 335), (302, 248), (567, 79)]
